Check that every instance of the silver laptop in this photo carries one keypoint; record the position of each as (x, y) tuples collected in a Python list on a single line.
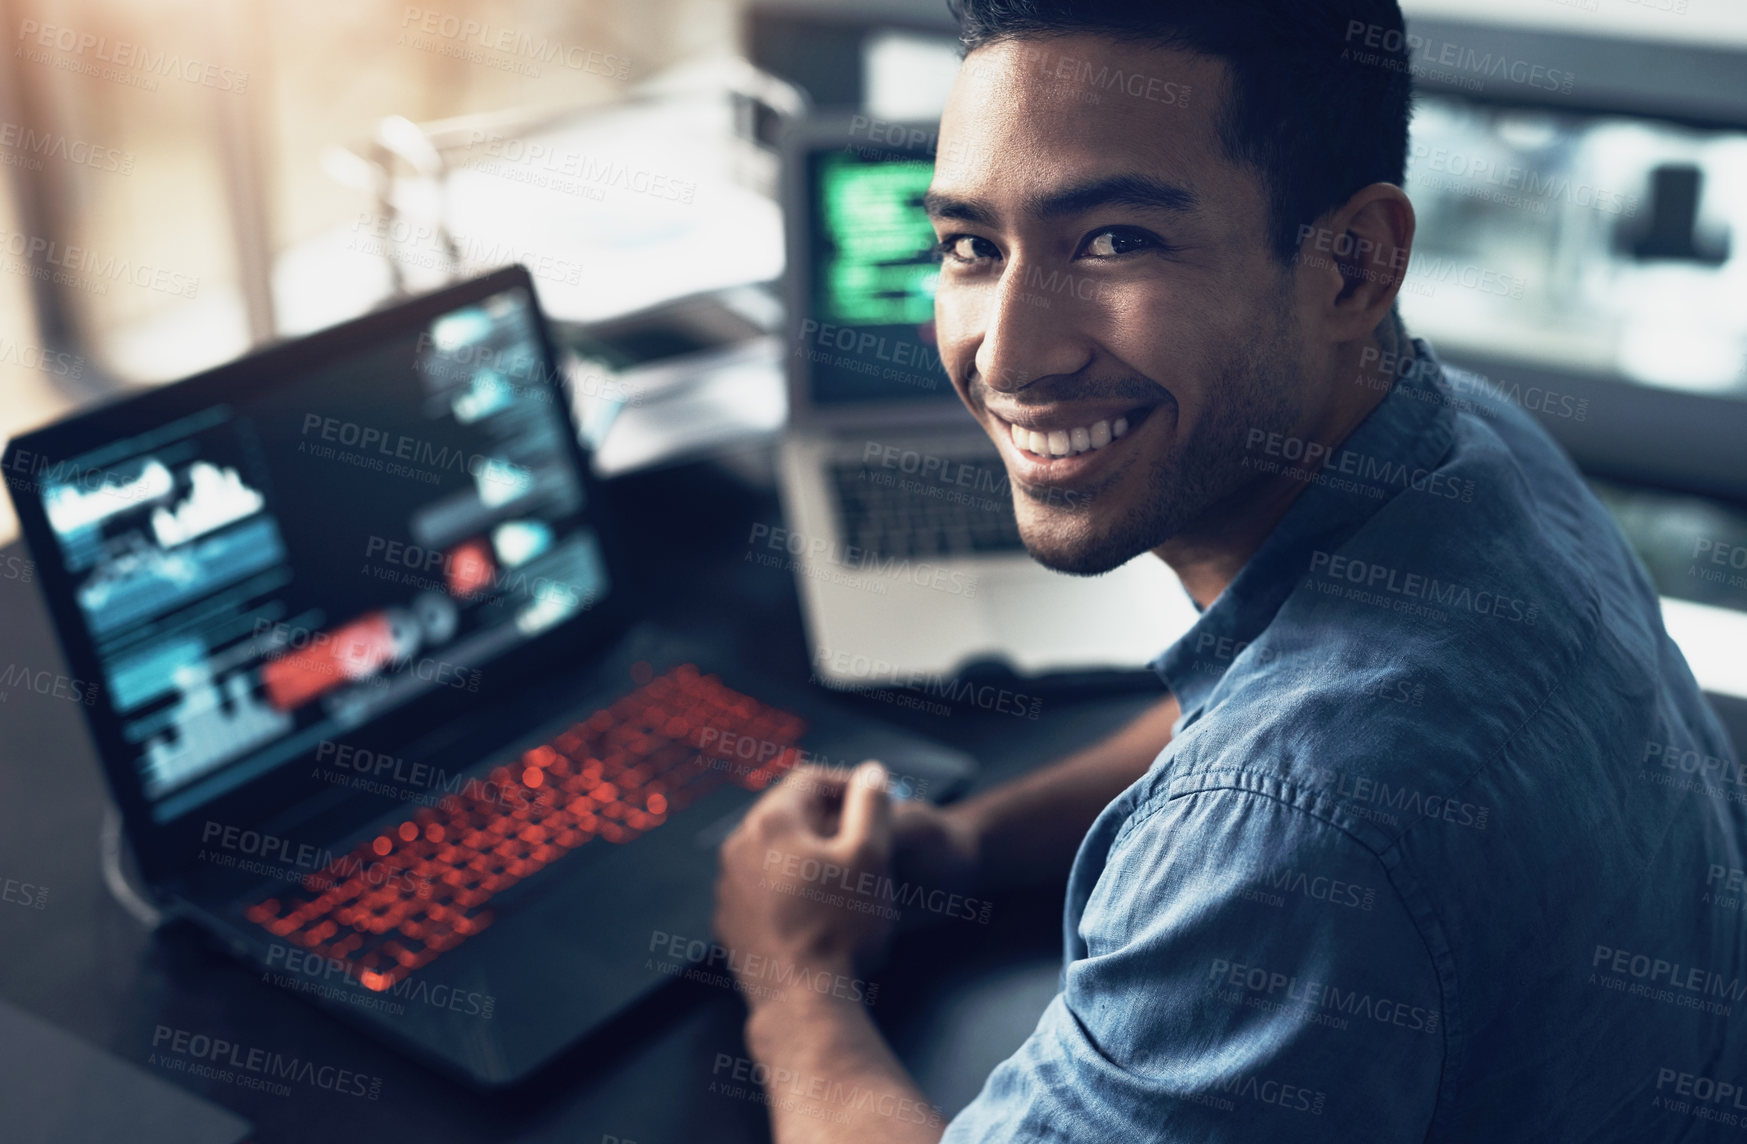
[(898, 512)]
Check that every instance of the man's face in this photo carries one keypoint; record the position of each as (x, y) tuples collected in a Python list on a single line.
[(1108, 306)]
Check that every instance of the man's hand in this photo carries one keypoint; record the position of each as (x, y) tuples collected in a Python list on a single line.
[(819, 830), (936, 848), (814, 834)]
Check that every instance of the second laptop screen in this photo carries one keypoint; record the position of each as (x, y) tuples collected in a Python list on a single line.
[(869, 336)]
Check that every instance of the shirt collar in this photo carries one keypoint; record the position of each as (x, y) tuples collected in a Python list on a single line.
[(1412, 427)]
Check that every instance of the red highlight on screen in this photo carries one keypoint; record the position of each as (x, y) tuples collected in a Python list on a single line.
[(471, 569), (356, 651)]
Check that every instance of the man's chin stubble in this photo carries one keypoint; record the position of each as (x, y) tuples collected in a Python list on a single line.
[(1079, 547), (1074, 561)]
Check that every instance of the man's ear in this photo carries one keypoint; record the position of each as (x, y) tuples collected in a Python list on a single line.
[(1356, 257)]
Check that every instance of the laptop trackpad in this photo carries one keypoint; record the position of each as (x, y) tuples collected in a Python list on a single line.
[(1120, 619), (587, 948), (1034, 606)]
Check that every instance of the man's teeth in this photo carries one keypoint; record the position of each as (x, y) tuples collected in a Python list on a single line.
[(1063, 442)]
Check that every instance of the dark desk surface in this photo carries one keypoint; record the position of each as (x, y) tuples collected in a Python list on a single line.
[(954, 1001)]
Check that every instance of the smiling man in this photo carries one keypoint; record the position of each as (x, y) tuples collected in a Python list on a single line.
[(1425, 842)]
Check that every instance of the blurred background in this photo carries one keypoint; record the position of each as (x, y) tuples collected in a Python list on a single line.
[(188, 179)]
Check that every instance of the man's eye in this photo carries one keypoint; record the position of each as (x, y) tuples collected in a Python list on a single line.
[(1117, 240), (965, 249)]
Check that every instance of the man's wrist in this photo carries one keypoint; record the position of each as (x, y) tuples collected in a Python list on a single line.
[(969, 822), (775, 1022)]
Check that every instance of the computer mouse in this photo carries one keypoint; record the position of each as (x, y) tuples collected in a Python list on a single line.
[(987, 667)]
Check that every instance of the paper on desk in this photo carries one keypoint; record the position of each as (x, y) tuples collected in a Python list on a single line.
[(619, 211), (730, 397)]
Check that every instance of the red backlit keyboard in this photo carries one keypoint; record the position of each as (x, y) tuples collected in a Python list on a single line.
[(616, 775)]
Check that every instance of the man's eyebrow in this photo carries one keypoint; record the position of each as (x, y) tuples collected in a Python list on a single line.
[(940, 205), (1141, 191)]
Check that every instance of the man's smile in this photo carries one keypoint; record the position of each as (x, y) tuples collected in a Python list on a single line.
[(1055, 443)]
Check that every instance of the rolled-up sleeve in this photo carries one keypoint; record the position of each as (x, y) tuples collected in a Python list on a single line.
[(1248, 972)]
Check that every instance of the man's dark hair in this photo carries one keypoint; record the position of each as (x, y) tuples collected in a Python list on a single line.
[(1319, 96)]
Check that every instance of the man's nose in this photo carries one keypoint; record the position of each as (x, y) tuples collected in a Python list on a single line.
[(1033, 329)]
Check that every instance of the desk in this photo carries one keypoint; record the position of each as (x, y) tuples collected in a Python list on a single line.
[(954, 1000)]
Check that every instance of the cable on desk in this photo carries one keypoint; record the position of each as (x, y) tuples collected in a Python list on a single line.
[(109, 845)]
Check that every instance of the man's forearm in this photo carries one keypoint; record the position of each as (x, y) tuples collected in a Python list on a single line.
[(1029, 829), (831, 1079)]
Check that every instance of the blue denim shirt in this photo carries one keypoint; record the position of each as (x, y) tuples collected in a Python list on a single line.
[(1447, 845)]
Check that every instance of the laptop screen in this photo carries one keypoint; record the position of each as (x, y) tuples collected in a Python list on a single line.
[(288, 565), (869, 336)]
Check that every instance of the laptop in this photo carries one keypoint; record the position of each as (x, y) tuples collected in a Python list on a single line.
[(898, 508), (352, 629)]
